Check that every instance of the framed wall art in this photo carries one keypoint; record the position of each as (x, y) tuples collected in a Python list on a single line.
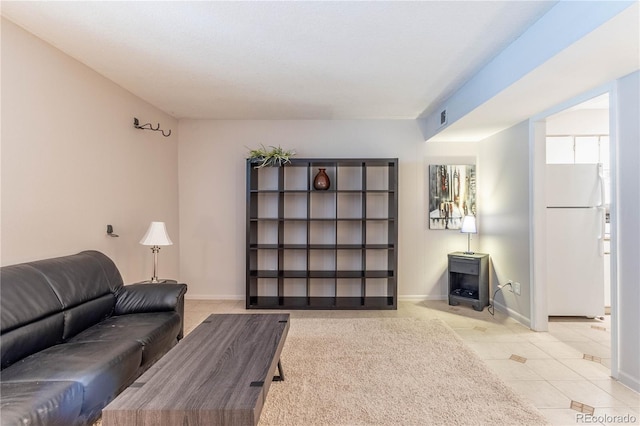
[(452, 194)]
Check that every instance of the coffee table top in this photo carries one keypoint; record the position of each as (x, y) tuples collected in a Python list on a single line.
[(218, 374)]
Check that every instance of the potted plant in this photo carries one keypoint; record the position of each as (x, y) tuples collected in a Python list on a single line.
[(264, 157)]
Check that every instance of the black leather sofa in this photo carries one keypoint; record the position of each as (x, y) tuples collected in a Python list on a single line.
[(72, 336)]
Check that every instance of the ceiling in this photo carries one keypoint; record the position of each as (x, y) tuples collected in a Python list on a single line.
[(587, 66), (282, 60)]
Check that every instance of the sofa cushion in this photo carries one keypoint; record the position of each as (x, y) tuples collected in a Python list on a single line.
[(29, 339), (111, 272), (40, 403), (157, 332), (26, 296), (103, 368), (82, 316), (75, 279), (28, 308), (78, 279)]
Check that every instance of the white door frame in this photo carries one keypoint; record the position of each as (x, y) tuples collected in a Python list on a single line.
[(537, 160)]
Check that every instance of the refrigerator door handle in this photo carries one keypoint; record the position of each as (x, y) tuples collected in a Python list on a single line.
[(603, 212), (602, 186)]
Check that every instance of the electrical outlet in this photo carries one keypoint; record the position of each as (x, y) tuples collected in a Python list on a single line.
[(509, 285), (516, 288)]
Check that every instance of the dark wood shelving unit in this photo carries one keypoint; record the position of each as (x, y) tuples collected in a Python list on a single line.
[(322, 249)]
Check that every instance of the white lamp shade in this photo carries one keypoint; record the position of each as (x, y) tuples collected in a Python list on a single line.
[(156, 235), (469, 225)]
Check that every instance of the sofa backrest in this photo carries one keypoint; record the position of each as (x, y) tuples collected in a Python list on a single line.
[(31, 317), (46, 302)]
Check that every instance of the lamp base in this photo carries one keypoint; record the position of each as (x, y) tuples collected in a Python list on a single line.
[(469, 252), (155, 250), (468, 245)]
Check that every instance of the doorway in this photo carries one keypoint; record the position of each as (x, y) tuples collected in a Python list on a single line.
[(578, 197), (577, 132)]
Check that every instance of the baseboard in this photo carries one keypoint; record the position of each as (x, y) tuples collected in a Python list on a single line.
[(420, 297), (212, 297), (513, 314), (403, 298), (629, 381)]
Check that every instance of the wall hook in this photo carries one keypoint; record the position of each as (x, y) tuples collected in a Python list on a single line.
[(148, 126), (110, 231)]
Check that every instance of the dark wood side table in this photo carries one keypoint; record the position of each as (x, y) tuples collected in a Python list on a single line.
[(469, 279)]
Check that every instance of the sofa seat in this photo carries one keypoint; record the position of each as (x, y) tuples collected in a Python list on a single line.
[(155, 331), (100, 367), (50, 403)]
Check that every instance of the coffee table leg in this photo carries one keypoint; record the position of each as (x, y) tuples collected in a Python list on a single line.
[(280, 376)]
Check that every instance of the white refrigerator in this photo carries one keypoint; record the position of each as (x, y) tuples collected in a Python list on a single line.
[(575, 239)]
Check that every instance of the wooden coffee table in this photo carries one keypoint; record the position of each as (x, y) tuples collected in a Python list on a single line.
[(219, 374)]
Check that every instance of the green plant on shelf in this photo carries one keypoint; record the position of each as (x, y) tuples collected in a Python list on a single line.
[(276, 156)]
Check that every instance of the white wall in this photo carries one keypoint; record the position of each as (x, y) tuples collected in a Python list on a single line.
[(212, 195), (73, 163), (503, 181), (579, 122), (438, 243), (628, 229)]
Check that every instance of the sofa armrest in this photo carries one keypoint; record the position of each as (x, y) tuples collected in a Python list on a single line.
[(140, 298)]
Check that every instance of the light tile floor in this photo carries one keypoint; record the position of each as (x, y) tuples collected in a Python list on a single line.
[(554, 374)]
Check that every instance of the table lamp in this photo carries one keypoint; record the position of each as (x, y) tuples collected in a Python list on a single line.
[(156, 236), (469, 227)]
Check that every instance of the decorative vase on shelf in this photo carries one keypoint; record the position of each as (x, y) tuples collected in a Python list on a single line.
[(321, 181)]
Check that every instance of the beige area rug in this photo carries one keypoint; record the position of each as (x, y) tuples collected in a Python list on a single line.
[(387, 371)]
